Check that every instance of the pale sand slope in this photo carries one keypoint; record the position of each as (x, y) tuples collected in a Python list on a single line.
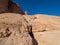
[(41, 22), (51, 35), (48, 37), (51, 20)]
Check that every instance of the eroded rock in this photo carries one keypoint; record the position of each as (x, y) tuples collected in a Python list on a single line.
[(13, 30)]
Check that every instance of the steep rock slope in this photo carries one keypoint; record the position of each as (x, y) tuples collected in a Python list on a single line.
[(14, 30)]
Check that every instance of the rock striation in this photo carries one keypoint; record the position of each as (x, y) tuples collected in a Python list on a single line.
[(10, 7)]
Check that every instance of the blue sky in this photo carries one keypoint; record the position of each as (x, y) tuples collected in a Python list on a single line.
[(50, 7)]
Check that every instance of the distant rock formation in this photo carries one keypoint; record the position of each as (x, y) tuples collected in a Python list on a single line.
[(9, 6)]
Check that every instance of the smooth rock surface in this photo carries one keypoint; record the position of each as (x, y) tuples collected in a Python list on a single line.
[(48, 37), (42, 22)]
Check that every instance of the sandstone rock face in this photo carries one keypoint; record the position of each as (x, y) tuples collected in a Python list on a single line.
[(13, 30), (3, 5), (48, 37), (14, 8), (46, 29), (43, 22), (9, 6), (17, 29)]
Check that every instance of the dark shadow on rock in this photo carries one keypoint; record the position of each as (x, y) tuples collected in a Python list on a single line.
[(8, 6), (32, 35), (14, 8), (8, 32)]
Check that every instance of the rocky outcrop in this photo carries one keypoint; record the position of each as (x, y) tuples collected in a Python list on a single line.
[(9, 6), (46, 29), (43, 22), (17, 29), (14, 30)]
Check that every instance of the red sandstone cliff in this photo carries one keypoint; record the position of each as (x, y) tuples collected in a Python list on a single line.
[(9, 6)]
